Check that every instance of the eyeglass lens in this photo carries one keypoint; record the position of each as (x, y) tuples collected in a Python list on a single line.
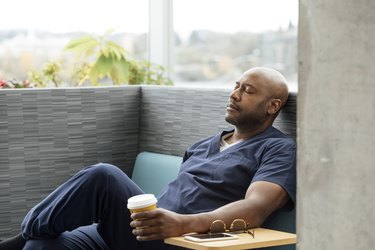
[(217, 226), (238, 225)]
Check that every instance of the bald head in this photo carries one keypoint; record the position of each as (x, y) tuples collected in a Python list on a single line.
[(256, 100), (272, 81)]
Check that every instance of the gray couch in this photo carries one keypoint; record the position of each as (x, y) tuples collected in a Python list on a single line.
[(46, 135)]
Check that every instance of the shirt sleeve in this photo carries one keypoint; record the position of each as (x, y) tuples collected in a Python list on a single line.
[(278, 165)]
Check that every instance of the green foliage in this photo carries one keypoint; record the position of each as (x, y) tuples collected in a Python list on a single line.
[(80, 73), (37, 78), (98, 59), (112, 61), (146, 72), (49, 73)]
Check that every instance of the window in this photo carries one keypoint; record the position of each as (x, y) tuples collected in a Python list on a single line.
[(215, 41), (200, 42), (35, 32)]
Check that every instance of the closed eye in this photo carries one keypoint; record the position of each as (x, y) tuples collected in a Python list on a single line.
[(249, 91), (245, 88)]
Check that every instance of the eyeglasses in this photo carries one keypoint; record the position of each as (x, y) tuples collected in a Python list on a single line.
[(237, 226)]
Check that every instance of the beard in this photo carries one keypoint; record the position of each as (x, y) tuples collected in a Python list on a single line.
[(248, 120), (253, 121)]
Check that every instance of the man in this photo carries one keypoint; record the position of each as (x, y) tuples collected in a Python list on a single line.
[(247, 174)]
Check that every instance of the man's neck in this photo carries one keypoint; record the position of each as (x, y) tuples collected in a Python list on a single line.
[(241, 134)]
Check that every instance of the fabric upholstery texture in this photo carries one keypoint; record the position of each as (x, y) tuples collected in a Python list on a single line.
[(46, 135), (174, 118), (153, 171)]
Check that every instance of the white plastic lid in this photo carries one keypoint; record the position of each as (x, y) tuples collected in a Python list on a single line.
[(142, 200)]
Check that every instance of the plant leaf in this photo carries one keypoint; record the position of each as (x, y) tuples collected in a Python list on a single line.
[(84, 46), (103, 65), (79, 41), (120, 72)]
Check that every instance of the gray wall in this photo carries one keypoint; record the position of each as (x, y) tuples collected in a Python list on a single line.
[(336, 125), (48, 135)]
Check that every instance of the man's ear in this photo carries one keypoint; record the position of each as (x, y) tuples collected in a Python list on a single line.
[(275, 106)]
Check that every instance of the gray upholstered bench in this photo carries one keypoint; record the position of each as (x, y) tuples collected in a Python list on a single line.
[(46, 135)]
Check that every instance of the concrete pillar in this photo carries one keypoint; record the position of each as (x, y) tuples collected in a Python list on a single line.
[(336, 125)]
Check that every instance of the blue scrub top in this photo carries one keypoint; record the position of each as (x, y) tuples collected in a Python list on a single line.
[(209, 179)]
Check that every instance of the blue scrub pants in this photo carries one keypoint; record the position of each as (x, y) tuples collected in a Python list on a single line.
[(96, 194)]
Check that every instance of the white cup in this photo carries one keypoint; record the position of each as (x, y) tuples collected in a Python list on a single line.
[(141, 203)]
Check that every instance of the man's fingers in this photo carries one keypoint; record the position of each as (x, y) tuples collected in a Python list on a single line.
[(147, 233), (141, 215), (142, 223), (150, 237), (142, 231), (154, 225), (145, 214)]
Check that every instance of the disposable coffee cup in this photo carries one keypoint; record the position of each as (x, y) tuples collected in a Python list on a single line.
[(141, 203)]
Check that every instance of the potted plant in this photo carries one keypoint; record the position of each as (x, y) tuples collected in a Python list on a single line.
[(112, 61), (98, 59)]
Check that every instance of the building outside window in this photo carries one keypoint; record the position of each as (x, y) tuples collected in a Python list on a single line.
[(215, 41)]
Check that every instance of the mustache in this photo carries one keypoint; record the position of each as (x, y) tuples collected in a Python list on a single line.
[(233, 105)]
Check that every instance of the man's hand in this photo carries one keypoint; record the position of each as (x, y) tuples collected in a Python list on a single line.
[(157, 224), (262, 198)]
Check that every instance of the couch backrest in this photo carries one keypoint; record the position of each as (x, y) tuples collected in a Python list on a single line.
[(46, 135), (152, 171), (172, 118)]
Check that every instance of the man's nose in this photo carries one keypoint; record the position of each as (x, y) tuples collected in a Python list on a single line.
[(235, 95)]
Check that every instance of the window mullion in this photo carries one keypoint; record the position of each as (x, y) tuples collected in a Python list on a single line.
[(160, 39)]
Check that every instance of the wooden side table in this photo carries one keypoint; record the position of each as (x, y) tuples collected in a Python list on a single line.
[(263, 238)]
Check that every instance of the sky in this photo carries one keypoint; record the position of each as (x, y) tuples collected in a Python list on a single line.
[(132, 15)]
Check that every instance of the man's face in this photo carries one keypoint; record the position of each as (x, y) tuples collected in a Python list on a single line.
[(248, 103)]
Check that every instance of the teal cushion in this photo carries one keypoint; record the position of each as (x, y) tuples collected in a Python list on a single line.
[(282, 221), (153, 171)]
